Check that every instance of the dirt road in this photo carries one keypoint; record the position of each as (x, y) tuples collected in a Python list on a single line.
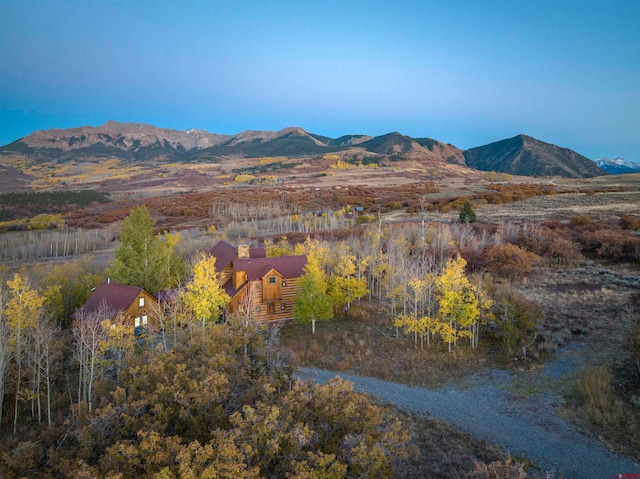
[(525, 425)]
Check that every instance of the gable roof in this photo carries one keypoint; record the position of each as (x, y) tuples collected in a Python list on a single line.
[(225, 253), (257, 253), (114, 295), (256, 268)]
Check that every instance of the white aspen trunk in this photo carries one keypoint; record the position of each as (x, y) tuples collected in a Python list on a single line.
[(48, 379), (18, 359), (4, 356), (90, 377), (39, 379), (81, 369)]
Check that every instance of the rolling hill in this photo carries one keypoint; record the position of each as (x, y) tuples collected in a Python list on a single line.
[(524, 155)]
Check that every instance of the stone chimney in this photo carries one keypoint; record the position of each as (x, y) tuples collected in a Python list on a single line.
[(243, 251)]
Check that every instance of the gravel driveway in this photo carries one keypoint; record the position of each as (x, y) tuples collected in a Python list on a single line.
[(482, 405)]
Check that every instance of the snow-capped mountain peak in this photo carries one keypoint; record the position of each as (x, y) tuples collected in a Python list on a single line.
[(618, 165)]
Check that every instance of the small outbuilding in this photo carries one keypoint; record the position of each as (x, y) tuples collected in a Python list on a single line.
[(131, 303)]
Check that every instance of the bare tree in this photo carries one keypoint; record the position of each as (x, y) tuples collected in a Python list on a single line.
[(46, 353), (89, 336)]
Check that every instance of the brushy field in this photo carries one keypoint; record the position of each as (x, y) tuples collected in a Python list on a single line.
[(370, 347)]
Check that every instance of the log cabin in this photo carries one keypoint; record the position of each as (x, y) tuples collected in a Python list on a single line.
[(261, 288), (129, 303)]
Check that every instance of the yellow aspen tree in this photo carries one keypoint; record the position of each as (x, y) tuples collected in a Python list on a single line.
[(418, 287), (410, 324), (203, 295), (362, 264), (402, 321), (485, 306), (23, 310), (173, 264), (117, 343), (319, 250), (281, 248), (344, 287), (428, 325), (456, 299), (431, 322), (6, 351), (312, 302)]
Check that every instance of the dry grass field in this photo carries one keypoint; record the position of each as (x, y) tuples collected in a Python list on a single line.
[(371, 348)]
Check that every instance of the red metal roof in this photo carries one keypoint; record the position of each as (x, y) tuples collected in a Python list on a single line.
[(114, 295), (225, 253), (256, 268), (257, 253)]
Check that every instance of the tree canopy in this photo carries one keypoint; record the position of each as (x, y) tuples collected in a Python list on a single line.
[(312, 302), (203, 295), (467, 213), (143, 259)]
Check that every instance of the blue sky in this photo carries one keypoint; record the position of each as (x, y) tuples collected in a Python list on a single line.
[(463, 72)]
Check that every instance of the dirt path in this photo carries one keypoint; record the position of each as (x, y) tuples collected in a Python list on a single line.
[(488, 406)]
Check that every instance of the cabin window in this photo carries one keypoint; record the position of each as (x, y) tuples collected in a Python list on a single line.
[(144, 320), (141, 302), (137, 322), (283, 306), (272, 280), (271, 307)]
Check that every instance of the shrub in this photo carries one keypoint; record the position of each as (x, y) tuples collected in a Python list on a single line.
[(581, 220), (510, 261), (497, 176), (497, 470), (561, 251), (364, 219), (630, 222), (614, 245), (475, 258)]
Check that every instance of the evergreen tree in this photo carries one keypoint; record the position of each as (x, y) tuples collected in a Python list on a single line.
[(142, 259), (467, 214)]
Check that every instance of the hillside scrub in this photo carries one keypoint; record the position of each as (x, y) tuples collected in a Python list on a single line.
[(218, 400)]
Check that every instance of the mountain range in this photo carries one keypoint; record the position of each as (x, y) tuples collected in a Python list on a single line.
[(521, 155), (618, 166)]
